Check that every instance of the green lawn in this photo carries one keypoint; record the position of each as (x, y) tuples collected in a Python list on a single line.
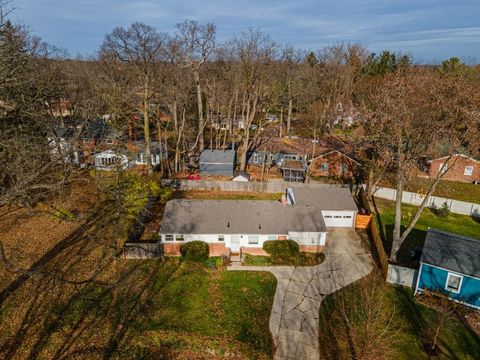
[(227, 195), (448, 189), (455, 223), (158, 310), (374, 320)]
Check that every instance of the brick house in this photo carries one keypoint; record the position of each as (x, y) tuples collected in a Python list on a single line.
[(334, 163), (458, 168)]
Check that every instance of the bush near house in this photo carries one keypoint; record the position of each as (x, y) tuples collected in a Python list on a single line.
[(284, 252), (194, 251)]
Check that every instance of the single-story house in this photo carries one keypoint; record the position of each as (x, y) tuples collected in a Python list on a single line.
[(217, 163), (450, 264), (242, 226), (241, 176), (334, 163), (459, 167)]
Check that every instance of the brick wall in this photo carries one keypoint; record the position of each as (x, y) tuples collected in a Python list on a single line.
[(253, 251), (218, 250), (456, 169), (171, 249), (334, 162), (311, 248)]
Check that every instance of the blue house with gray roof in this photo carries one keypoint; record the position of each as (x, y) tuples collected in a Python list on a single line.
[(450, 264)]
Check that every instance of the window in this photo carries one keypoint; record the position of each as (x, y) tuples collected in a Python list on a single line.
[(253, 239), (443, 168), (140, 158), (272, 237), (155, 159), (169, 237), (468, 170), (324, 167), (221, 238), (255, 158), (454, 282), (347, 217), (179, 238), (328, 216), (337, 217)]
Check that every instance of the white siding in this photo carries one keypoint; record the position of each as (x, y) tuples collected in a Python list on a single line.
[(339, 218), (308, 238)]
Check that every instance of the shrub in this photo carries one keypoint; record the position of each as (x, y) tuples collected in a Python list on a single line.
[(310, 259), (442, 211), (283, 252), (214, 262), (194, 251), (255, 260)]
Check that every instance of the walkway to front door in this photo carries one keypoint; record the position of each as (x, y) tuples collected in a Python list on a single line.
[(300, 291)]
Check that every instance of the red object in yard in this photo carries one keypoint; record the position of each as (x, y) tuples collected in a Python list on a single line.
[(194, 176)]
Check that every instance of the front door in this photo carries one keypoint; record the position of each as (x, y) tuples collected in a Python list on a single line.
[(235, 243)]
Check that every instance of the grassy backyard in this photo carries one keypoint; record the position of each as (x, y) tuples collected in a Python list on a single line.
[(373, 320), (448, 189), (227, 195), (455, 223)]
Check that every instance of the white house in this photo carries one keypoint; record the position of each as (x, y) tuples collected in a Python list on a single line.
[(242, 226)]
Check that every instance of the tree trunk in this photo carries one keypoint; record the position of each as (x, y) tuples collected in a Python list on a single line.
[(281, 124), (289, 115), (160, 155), (397, 238), (146, 125), (201, 145)]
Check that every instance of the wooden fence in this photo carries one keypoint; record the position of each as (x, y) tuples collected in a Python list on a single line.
[(375, 235), (141, 250), (213, 185)]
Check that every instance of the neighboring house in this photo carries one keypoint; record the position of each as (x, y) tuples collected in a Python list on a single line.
[(336, 164), (241, 176), (110, 160), (458, 168), (217, 163), (242, 226), (450, 264), (138, 148), (293, 170), (63, 144)]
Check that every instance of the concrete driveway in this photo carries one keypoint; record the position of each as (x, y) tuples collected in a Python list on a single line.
[(300, 291)]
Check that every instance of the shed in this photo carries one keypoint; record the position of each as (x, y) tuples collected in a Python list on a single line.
[(450, 265), (241, 176), (217, 163)]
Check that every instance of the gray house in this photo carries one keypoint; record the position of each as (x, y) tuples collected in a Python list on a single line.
[(217, 163)]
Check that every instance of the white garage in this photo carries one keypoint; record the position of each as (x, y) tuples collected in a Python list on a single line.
[(339, 218)]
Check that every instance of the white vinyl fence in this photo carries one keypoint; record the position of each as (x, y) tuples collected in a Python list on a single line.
[(402, 276), (456, 206)]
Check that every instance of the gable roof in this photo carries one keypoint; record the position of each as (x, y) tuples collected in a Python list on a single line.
[(242, 173), (456, 155), (217, 157), (330, 197), (338, 151), (452, 252), (238, 217)]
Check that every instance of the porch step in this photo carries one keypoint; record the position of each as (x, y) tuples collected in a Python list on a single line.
[(235, 258)]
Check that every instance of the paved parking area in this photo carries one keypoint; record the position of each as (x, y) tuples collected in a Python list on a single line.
[(300, 290)]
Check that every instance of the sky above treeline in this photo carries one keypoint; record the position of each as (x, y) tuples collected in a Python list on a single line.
[(428, 30)]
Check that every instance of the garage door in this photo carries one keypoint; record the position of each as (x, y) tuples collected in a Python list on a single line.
[(339, 218)]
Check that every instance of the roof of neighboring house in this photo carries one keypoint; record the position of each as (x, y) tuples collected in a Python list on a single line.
[(329, 197), (456, 155), (293, 165), (64, 132), (100, 129), (242, 173), (452, 252), (239, 217), (351, 157), (217, 157)]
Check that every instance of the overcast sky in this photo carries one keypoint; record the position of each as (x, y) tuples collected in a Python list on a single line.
[(430, 30)]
